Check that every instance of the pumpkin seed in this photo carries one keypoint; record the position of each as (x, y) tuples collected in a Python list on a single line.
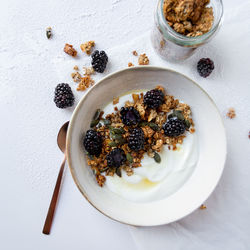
[(187, 123), (94, 123), (113, 144), (97, 114), (104, 170), (118, 172), (49, 32), (154, 126), (90, 156), (106, 122), (178, 114), (118, 130), (116, 136), (157, 157), (143, 124), (129, 158)]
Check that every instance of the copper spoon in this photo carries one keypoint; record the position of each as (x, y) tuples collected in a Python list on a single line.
[(61, 141)]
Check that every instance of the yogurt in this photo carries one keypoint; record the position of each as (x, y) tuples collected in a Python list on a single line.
[(154, 181)]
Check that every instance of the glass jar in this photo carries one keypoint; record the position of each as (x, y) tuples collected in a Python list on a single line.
[(173, 46)]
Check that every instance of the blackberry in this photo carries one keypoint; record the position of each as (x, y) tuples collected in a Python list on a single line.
[(116, 158), (93, 142), (99, 61), (153, 98), (136, 139), (63, 96), (174, 127), (205, 67), (130, 116)]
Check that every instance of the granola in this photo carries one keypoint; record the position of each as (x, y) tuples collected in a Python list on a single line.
[(87, 47), (68, 49), (116, 133), (143, 59), (189, 17), (231, 113)]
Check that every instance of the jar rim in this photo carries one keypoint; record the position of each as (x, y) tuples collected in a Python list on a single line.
[(192, 40)]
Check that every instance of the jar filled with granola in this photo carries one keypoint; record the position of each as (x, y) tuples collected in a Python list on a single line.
[(181, 26)]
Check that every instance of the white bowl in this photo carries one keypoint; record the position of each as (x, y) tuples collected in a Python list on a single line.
[(210, 133)]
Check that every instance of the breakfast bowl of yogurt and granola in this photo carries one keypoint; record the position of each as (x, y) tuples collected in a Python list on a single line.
[(146, 146)]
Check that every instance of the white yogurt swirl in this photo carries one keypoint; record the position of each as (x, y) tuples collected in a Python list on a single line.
[(154, 181)]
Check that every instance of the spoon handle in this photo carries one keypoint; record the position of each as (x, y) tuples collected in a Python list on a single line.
[(53, 202)]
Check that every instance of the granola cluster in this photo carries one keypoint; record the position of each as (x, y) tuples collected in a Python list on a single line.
[(115, 133), (189, 17)]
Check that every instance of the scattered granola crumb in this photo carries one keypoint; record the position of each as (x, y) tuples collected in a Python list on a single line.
[(162, 43), (76, 67), (249, 135), (143, 59), (88, 71), (85, 83), (76, 76), (231, 113), (115, 100), (202, 207), (68, 49), (135, 53), (130, 64), (115, 108), (192, 130), (49, 32), (87, 47)]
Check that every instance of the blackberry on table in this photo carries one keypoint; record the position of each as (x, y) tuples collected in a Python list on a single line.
[(93, 142), (205, 66), (153, 98), (116, 158), (63, 96), (136, 139), (174, 127), (99, 61), (130, 116)]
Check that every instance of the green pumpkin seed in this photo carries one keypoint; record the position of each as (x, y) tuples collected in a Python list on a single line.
[(157, 157), (187, 123), (178, 114), (118, 130), (49, 32), (90, 156), (129, 158), (104, 170), (154, 126), (97, 114), (94, 123), (143, 124), (113, 144), (118, 172), (122, 141), (116, 137), (106, 122)]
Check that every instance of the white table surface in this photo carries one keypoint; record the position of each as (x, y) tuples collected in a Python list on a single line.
[(30, 121)]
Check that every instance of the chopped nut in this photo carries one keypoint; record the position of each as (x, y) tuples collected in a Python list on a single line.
[(135, 53), (87, 47), (115, 100), (203, 207), (68, 49), (231, 113), (135, 97), (130, 64), (143, 59), (148, 132), (152, 115)]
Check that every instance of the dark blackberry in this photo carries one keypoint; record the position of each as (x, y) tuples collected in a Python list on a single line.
[(99, 61), (93, 142), (116, 158), (174, 127), (130, 116), (63, 96), (136, 139), (205, 67), (153, 98)]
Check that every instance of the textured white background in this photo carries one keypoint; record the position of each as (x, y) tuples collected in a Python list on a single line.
[(30, 68)]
